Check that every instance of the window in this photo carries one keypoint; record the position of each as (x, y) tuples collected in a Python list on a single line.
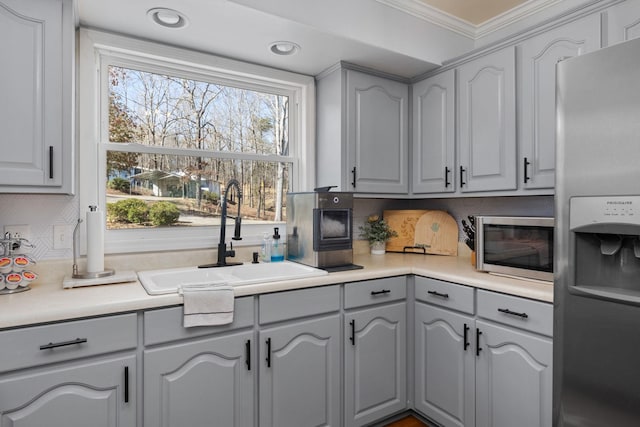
[(171, 128)]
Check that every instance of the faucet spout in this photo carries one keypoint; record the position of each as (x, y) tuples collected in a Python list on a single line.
[(227, 198)]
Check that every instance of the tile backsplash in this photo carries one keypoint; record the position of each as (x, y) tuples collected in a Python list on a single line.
[(42, 212)]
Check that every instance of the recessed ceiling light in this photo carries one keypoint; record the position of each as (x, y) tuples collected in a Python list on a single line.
[(167, 17), (284, 48)]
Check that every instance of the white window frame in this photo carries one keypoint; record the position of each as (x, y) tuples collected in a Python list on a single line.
[(99, 49)]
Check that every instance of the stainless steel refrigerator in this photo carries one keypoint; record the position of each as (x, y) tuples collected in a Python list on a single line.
[(597, 256)]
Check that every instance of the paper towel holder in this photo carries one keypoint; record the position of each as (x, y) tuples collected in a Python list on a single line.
[(76, 274)]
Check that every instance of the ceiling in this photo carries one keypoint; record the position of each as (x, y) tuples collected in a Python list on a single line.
[(379, 34)]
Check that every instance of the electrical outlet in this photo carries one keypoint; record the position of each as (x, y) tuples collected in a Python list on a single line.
[(18, 231), (62, 236)]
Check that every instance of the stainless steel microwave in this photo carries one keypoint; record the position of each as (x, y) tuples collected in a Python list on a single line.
[(515, 246)]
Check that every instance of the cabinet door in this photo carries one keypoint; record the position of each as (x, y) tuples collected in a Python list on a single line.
[(377, 127), (513, 378), (444, 366), (35, 108), (97, 394), (434, 134), (537, 100), (486, 126), (623, 22), (300, 374), (375, 363), (206, 382)]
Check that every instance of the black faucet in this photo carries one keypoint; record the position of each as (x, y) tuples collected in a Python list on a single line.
[(223, 253)]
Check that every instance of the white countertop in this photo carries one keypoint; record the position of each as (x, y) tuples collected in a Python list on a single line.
[(50, 302)]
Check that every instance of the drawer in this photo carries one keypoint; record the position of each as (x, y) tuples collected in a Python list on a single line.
[(534, 316), (369, 292), (39, 345), (165, 324), (445, 294), (299, 303)]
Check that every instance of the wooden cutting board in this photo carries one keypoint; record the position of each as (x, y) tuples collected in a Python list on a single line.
[(435, 231), (438, 232)]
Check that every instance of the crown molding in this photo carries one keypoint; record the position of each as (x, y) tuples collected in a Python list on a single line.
[(428, 13)]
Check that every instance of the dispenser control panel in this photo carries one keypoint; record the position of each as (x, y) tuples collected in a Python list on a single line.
[(604, 209)]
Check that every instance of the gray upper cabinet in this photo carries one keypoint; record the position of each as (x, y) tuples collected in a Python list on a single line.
[(375, 363), (203, 380), (36, 109), (362, 143), (487, 123), (434, 134), (623, 22), (538, 57)]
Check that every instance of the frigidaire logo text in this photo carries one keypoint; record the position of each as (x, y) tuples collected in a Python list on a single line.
[(621, 202)]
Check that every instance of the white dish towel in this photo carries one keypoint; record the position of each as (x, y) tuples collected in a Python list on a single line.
[(207, 305)]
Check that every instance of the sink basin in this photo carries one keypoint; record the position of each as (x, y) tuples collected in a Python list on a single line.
[(157, 282)]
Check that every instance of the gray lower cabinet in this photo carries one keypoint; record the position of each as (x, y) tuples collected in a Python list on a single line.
[(444, 365), (300, 374), (513, 378), (57, 375), (299, 380), (375, 363), (492, 368), (96, 393), (207, 382)]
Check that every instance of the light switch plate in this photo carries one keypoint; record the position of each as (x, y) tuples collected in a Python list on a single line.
[(62, 236)]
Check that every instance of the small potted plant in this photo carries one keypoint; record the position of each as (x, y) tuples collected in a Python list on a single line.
[(377, 232)]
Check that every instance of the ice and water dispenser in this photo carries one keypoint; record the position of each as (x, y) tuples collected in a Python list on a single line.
[(605, 256)]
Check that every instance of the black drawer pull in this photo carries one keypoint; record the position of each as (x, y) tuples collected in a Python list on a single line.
[(384, 291), (462, 171), (268, 359), (513, 313), (447, 171), (247, 348), (438, 294), (62, 344), (51, 162), (352, 338), (526, 174), (126, 384), (466, 337), (478, 349), (353, 173)]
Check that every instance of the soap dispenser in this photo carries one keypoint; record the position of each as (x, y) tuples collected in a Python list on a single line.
[(277, 247)]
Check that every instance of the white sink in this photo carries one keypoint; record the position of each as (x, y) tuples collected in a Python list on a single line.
[(167, 281)]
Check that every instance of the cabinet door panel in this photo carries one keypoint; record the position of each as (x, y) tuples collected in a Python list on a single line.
[(444, 385), (537, 99), (300, 374), (486, 94), (377, 129), (434, 134), (623, 22), (87, 394), (375, 363), (204, 382), (514, 378)]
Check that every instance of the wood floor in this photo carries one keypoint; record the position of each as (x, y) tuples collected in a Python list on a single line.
[(407, 422)]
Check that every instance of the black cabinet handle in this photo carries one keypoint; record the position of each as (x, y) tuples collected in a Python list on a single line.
[(447, 171), (126, 384), (462, 171), (478, 349), (268, 359), (438, 294), (353, 173), (526, 173), (513, 313), (352, 338), (384, 291), (247, 351), (51, 162), (62, 344), (465, 343)]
